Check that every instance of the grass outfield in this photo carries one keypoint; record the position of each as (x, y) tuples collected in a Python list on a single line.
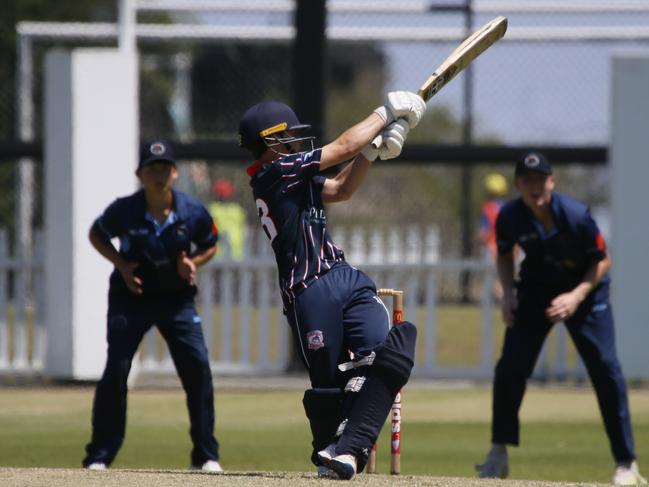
[(445, 432)]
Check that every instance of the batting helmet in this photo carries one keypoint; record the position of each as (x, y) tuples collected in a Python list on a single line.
[(265, 125)]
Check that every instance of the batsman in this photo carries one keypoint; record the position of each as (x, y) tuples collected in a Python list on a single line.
[(333, 309)]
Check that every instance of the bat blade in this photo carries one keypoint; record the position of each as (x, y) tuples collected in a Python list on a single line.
[(463, 55)]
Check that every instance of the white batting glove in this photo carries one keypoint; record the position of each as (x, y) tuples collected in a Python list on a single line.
[(402, 104), (394, 136), (370, 153)]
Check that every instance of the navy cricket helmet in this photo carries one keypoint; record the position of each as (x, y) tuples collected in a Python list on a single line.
[(266, 124)]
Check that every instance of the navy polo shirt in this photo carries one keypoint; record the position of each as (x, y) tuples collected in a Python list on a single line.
[(156, 246), (288, 196), (556, 260)]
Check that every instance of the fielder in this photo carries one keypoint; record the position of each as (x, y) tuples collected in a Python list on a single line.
[(164, 236), (562, 278), (332, 308)]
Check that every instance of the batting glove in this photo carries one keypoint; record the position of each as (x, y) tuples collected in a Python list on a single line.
[(370, 153), (402, 104), (394, 136)]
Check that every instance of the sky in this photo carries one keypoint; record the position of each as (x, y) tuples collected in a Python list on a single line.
[(524, 93)]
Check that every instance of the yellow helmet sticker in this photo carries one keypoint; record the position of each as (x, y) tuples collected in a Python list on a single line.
[(274, 129)]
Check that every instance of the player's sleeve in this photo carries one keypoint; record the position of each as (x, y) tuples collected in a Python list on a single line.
[(319, 180), (505, 237), (302, 166), (594, 241), (206, 234), (109, 223)]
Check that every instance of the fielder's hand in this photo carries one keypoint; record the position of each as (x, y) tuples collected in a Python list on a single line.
[(509, 305), (133, 283), (562, 307), (402, 104), (186, 268), (393, 138)]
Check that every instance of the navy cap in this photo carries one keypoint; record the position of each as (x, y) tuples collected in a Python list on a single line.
[(267, 118), (156, 151), (533, 162)]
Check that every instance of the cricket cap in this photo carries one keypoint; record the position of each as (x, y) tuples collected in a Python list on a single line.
[(156, 151), (533, 162), (267, 118)]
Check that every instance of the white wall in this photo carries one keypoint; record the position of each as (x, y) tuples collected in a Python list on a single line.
[(91, 139), (630, 224)]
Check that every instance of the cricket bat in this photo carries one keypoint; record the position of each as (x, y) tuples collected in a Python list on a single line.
[(474, 45)]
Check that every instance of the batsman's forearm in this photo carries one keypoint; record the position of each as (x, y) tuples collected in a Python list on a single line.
[(351, 141), (347, 181)]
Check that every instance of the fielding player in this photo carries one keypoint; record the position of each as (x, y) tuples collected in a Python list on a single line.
[(332, 308), (562, 278), (164, 236)]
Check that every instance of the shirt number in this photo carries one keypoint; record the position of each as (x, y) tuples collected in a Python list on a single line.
[(266, 222)]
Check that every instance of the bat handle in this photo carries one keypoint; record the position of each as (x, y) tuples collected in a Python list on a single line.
[(378, 140)]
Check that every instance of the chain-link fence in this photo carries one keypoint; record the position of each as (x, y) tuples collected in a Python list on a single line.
[(547, 83)]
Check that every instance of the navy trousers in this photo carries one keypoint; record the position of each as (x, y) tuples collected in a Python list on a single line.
[(338, 313), (180, 325), (592, 331)]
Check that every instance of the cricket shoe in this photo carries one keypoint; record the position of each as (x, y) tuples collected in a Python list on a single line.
[(496, 465), (344, 466), (325, 472), (628, 474), (326, 456), (97, 466), (208, 466)]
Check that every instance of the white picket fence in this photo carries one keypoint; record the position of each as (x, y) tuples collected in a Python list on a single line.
[(245, 327), (22, 335)]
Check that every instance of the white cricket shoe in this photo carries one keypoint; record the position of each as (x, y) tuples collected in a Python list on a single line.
[(327, 454), (208, 466), (97, 466), (628, 474), (496, 465), (325, 472), (344, 466)]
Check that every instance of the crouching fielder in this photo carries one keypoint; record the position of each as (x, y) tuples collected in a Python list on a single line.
[(563, 278), (332, 308)]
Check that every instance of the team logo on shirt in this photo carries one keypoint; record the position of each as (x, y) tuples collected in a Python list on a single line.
[(315, 339), (317, 214)]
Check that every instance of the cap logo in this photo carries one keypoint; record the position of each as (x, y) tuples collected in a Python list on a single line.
[(275, 128), (532, 161), (157, 149)]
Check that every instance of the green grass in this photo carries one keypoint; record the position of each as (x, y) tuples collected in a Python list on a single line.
[(445, 432)]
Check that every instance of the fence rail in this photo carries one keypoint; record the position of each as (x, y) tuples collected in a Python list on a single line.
[(247, 333)]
